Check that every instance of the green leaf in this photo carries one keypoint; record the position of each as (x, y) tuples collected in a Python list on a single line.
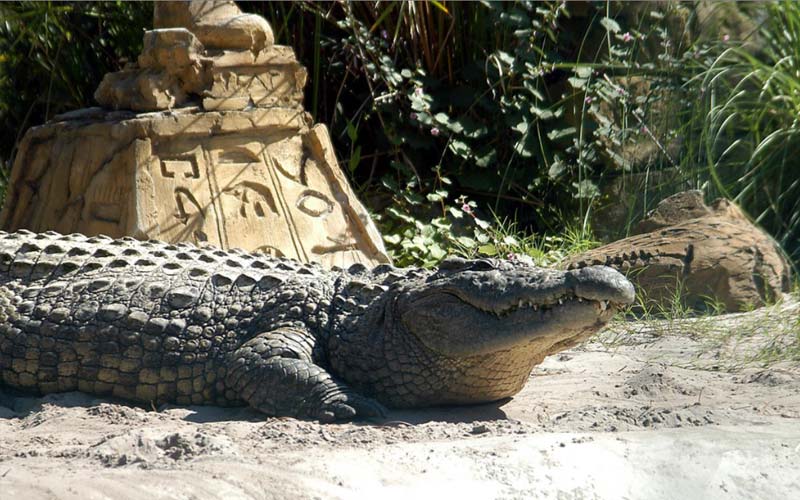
[(521, 127), (466, 241), (486, 159), (505, 57), (458, 214), (542, 114), (521, 148), (488, 250), (556, 169), (352, 132), (583, 71), (482, 223), (586, 189), (437, 195), (610, 25), (442, 118), (577, 83), (437, 252), (460, 148), (355, 159), (392, 239), (440, 6), (557, 134)]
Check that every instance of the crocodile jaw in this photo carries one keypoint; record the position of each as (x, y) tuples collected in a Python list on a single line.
[(451, 327)]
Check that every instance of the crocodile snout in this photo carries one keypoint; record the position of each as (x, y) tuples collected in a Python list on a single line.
[(600, 283)]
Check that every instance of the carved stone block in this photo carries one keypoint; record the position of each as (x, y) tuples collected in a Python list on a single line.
[(261, 180), (234, 162), (240, 87)]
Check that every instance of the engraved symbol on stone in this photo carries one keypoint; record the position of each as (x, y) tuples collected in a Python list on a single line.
[(314, 203), (285, 171), (106, 212), (253, 196), (190, 213), (187, 205), (184, 166), (340, 244)]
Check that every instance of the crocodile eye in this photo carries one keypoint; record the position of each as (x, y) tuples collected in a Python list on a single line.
[(482, 265), (453, 264)]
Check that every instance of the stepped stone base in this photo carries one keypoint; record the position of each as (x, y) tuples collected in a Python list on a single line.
[(262, 180)]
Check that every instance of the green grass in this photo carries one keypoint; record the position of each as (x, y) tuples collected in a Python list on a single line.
[(504, 239), (761, 337), (741, 133)]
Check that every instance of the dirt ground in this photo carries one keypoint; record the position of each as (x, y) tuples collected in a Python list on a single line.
[(679, 409)]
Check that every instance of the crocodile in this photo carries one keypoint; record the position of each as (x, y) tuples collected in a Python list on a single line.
[(153, 323)]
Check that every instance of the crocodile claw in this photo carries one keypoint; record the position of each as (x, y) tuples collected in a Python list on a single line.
[(349, 406)]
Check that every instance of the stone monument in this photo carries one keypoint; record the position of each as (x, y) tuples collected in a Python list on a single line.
[(204, 139)]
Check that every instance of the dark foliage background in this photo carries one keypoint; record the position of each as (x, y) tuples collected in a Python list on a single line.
[(447, 114)]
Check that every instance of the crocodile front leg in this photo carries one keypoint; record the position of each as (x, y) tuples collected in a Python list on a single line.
[(275, 373)]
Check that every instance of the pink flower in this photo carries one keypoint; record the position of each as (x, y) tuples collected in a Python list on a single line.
[(588, 99), (644, 129), (435, 131), (384, 34), (726, 37), (627, 37), (418, 91), (466, 209)]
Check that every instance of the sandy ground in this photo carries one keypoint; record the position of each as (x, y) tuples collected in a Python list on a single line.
[(656, 410)]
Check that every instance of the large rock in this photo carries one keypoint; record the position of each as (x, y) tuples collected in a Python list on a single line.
[(709, 254), (220, 152)]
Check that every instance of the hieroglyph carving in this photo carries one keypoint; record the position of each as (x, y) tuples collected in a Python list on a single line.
[(228, 189), (229, 159)]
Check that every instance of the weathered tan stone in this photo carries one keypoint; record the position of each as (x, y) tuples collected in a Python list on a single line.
[(261, 180), (240, 87), (209, 53), (218, 24), (245, 169), (675, 209), (708, 254), (140, 91)]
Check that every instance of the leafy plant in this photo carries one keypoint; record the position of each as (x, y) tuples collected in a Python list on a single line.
[(53, 55), (751, 132)]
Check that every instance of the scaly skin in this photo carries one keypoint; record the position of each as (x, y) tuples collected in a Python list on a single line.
[(152, 323)]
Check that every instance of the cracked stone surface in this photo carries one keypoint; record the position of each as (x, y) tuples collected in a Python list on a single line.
[(204, 139), (710, 253)]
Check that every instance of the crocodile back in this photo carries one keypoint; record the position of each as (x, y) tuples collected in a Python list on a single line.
[(141, 320)]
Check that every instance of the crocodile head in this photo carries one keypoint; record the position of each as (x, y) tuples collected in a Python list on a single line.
[(477, 307), (472, 330)]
